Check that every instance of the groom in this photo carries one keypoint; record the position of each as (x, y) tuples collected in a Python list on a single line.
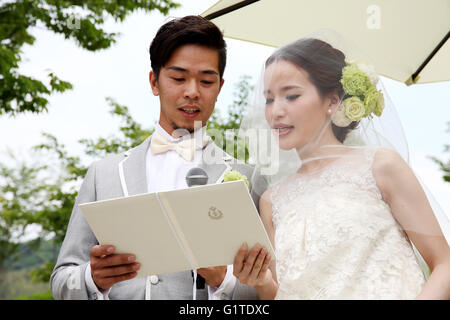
[(188, 57)]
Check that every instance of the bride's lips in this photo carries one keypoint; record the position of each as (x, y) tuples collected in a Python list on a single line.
[(189, 111), (282, 129)]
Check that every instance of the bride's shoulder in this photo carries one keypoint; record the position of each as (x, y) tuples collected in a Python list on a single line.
[(385, 159), (265, 206), (389, 168), (266, 197)]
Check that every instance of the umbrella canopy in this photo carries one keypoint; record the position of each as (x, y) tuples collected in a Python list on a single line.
[(406, 40)]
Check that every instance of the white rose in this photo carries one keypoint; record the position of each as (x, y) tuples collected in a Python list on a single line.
[(354, 108), (339, 118)]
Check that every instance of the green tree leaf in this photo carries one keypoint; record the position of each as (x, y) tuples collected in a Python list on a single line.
[(80, 21)]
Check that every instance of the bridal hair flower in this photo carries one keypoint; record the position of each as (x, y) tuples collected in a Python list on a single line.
[(362, 97), (233, 175), (354, 81)]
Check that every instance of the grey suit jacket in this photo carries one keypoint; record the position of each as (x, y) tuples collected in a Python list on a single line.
[(102, 182)]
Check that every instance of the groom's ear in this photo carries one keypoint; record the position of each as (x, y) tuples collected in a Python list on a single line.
[(153, 83), (222, 81)]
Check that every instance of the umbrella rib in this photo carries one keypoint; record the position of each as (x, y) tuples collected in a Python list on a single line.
[(229, 9), (428, 59)]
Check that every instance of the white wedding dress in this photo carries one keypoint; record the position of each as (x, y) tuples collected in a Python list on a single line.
[(335, 237)]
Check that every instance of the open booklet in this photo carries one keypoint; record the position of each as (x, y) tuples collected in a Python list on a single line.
[(177, 230)]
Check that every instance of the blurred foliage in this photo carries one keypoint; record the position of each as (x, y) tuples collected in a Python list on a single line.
[(20, 200), (47, 251), (444, 166), (132, 135), (228, 126), (18, 283), (77, 20), (22, 279), (46, 295)]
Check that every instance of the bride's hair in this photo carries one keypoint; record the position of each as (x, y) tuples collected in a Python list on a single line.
[(324, 65)]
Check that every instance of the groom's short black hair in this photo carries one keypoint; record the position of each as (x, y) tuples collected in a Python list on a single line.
[(182, 31)]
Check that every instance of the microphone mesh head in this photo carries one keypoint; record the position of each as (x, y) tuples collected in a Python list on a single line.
[(196, 177)]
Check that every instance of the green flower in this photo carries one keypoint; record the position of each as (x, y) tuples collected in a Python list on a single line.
[(370, 100), (370, 71), (354, 108), (234, 175), (380, 105), (354, 81)]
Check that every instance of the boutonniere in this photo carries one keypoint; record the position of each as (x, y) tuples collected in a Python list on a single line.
[(234, 175)]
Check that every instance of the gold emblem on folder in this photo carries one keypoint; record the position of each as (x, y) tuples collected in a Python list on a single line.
[(215, 213)]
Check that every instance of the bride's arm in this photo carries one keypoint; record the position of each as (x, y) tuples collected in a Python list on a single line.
[(255, 267), (410, 207), (265, 208)]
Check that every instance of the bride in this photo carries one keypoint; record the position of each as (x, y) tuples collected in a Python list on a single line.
[(351, 221)]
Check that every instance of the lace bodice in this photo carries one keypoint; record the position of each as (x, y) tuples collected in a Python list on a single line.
[(335, 237)]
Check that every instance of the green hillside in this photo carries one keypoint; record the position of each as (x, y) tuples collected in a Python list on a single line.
[(17, 281)]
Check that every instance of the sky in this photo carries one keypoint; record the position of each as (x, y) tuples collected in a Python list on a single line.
[(121, 72)]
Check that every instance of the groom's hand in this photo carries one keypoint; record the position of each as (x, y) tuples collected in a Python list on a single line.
[(108, 268), (213, 275)]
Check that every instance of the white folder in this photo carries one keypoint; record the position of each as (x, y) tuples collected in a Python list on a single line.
[(177, 230)]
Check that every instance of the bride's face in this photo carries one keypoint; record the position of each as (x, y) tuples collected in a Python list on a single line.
[(294, 109)]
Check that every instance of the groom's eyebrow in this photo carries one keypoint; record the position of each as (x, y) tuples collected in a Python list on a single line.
[(175, 68), (215, 73), (208, 71)]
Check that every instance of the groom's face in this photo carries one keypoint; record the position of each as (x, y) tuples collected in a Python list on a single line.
[(188, 86)]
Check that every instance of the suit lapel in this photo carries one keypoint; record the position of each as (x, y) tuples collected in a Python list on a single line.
[(134, 168)]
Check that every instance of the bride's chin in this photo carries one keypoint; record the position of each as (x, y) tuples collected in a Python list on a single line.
[(291, 142), (287, 146)]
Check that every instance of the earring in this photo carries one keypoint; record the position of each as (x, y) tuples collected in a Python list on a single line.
[(329, 111)]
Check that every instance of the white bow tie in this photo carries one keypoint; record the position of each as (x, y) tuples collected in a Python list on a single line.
[(184, 147)]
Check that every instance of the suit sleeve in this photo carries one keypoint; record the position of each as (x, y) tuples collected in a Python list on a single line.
[(258, 186), (68, 277)]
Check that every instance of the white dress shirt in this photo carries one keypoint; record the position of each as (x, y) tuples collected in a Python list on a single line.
[(164, 172)]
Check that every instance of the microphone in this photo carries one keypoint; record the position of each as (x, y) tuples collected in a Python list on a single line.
[(197, 177)]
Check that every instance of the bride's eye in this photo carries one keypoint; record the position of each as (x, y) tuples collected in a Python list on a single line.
[(292, 97), (269, 101)]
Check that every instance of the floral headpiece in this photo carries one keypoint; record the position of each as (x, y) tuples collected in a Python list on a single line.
[(363, 99)]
